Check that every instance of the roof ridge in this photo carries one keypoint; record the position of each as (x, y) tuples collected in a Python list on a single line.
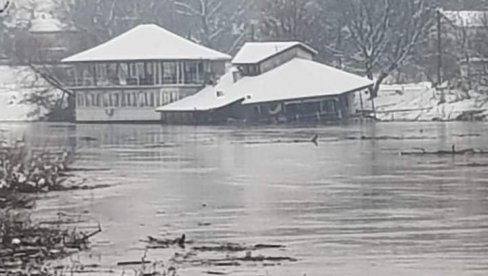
[(147, 42), (256, 52)]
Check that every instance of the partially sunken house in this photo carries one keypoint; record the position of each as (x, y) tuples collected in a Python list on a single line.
[(126, 78), (272, 82)]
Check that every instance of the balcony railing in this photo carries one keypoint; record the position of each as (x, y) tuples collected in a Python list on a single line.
[(117, 74)]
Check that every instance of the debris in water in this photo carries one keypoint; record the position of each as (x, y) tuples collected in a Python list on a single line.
[(132, 263), (88, 139), (25, 247), (467, 135), (474, 165), (161, 145), (215, 273), (230, 252), (382, 138), (155, 243), (314, 140), (234, 247), (453, 151)]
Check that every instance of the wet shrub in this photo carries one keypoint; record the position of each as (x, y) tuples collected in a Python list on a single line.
[(27, 171)]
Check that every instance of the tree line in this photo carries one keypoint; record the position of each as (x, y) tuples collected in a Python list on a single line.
[(380, 39)]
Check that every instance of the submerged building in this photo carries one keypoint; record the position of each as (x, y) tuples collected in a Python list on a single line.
[(126, 78), (272, 82)]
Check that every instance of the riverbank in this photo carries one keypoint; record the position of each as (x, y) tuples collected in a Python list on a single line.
[(27, 247), (421, 102), (18, 84), (406, 102)]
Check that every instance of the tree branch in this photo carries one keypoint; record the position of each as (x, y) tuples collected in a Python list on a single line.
[(4, 7)]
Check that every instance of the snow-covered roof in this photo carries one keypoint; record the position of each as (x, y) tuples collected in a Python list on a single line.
[(147, 42), (296, 79), (255, 52), (207, 98), (467, 19)]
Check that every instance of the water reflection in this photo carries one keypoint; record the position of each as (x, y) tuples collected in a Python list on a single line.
[(346, 207)]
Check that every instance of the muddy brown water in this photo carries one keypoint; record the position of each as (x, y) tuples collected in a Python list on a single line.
[(344, 207)]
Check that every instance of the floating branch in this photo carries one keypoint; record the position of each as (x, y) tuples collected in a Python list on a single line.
[(382, 138), (232, 247), (155, 243), (452, 152), (314, 140)]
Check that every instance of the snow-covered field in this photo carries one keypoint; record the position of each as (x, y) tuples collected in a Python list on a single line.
[(421, 102), (11, 110), (15, 83)]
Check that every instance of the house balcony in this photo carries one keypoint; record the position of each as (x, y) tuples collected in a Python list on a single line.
[(131, 75)]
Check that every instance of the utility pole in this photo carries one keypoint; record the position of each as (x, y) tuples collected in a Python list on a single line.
[(439, 57), (439, 47)]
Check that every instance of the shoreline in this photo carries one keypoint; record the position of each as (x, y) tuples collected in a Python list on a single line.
[(167, 175)]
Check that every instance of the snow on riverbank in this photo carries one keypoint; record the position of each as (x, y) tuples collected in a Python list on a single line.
[(408, 102), (11, 110), (15, 84), (421, 102)]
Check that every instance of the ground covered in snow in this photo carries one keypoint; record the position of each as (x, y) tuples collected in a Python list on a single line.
[(421, 102), (15, 84), (409, 102)]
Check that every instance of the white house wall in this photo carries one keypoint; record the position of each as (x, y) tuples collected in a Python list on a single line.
[(284, 57), (118, 105)]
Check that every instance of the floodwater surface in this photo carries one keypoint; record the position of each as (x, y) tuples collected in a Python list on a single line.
[(351, 205)]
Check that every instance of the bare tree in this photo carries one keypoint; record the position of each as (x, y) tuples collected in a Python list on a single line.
[(288, 19), (476, 52), (216, 23), (5, 6), (49, 93), (10, 19), (301, 20), (101, 20), (2, 24), (382, 34), (206, 12), (221, 24)]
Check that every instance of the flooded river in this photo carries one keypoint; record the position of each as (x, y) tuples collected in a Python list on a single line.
[(348, 206)]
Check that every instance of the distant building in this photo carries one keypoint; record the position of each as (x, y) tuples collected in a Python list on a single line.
[(466, 18), (50, 39), (272, 82), (125, 78)]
